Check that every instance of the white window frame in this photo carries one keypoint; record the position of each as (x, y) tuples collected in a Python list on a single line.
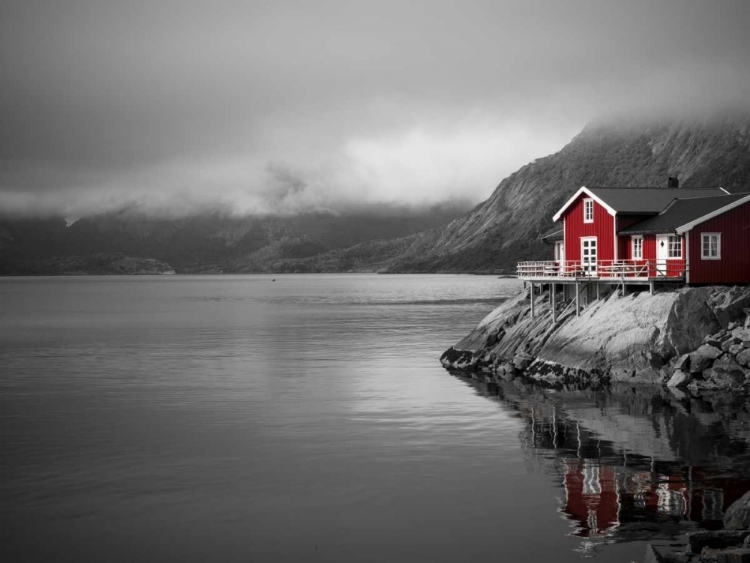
[(590, 268), (704, 237), (588, 210), (633, 246), (670, 241)]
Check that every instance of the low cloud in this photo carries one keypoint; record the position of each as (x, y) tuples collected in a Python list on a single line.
[(172, 106)]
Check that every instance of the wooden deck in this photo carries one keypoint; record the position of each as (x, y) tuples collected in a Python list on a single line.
[(613, 271), (587, 280)]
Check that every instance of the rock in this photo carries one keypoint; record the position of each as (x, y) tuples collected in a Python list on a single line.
[(682, 362), (736, 349), (713, 340), (723, 379), (729, 342), (652, 556), (716, 539), (521, 362), (703, 357), (723, 335), (679, 379), (737, 516), (744, 357), (740, 555), (727, 363), (729, 305)]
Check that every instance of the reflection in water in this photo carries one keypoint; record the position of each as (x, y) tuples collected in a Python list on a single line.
[(634, 464)]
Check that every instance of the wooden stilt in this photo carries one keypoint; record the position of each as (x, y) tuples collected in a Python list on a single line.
[(553, 299), (578, 299), (597, 291), (651, 287), (531, 297)]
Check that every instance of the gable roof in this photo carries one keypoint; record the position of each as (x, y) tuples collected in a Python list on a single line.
[(730, 205), (682, 212), (637, 200)]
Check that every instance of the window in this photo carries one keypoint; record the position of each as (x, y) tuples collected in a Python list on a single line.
[(588, 210), (675, 246), (711, 246), (637, 248)]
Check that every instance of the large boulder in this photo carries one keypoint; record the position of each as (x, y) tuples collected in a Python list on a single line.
[(704, 357), (737, 516), (729, 304), (744, 357), (727, 363), (679, 379)]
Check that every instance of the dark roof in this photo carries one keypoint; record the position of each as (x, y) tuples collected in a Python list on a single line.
[(553, 235), (648, 200), (681, 212)]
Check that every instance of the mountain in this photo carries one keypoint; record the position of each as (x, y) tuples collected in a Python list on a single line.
[(208, 242), (505, 229), (492, 237)]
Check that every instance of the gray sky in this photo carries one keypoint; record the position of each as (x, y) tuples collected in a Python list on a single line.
[(286, 106)]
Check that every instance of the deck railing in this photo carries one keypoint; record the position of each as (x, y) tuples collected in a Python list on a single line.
[(603, 269)]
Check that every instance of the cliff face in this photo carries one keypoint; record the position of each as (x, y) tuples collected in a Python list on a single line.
[(635, 338), (494, 236)]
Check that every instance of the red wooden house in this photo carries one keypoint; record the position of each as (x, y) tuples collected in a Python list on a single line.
[(647, 235)]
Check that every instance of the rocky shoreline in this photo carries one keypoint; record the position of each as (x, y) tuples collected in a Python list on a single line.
[(697, 338), (690, 340), (730, 545)]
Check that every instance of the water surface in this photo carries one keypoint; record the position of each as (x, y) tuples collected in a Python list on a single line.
[(306, 418)]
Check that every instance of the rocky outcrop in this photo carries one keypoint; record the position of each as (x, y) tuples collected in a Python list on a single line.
[(689, 337), (730, 545)]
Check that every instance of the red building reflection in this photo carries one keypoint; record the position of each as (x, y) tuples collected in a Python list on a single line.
[(599, 498)]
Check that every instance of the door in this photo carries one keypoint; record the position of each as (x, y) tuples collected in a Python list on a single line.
[(588, 256), (559, 256), (662, 253)]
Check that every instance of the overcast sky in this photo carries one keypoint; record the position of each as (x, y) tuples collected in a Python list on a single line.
[(285, 106)]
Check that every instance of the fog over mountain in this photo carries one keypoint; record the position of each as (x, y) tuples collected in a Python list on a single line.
[(173, 107), (710, 151)]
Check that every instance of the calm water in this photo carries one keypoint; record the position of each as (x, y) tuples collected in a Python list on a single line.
[(238, 418)]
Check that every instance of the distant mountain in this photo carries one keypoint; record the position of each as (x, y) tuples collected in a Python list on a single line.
[(494, 236), (208, 242)]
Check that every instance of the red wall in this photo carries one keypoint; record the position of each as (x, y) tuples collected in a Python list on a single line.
[(623, 242), (675, 266), (603, 228), (734, 266)]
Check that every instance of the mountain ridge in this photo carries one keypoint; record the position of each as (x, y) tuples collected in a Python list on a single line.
[(491, 237)]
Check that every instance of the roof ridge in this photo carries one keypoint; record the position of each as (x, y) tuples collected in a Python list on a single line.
[(708, 196), (648, 188)]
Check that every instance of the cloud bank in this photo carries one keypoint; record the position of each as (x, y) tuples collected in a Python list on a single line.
[(281, 107)]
